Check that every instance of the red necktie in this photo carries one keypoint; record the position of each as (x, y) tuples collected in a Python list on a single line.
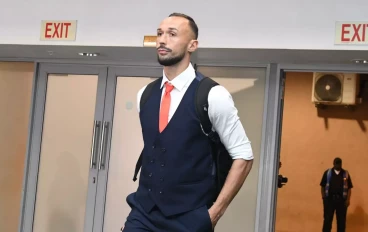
[(165, 107)]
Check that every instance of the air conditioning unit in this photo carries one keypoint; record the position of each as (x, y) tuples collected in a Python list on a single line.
[(334, 88)]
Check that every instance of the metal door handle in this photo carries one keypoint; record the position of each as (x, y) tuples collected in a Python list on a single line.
[(102, 146), (94, 138)]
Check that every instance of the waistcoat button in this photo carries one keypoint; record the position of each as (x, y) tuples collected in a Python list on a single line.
[(150, 175), (163, 149)]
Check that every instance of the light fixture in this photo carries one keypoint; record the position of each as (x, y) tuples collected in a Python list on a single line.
[(359, 61), (149, 41), (88, 54)]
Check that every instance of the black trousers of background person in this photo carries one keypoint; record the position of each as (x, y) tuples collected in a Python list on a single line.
[(331, 205)]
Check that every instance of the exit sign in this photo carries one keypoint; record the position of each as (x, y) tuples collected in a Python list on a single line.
[(354, 33), (58, 30)]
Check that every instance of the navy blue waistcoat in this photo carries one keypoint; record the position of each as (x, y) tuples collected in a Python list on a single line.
[(177, 173)]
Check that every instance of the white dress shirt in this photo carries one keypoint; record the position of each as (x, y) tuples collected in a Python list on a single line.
[(221, 111)]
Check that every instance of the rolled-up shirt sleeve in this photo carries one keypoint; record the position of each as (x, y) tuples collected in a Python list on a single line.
[(225, 121)]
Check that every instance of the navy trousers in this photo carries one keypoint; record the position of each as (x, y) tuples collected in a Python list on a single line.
[(138, 220), (330, 206)]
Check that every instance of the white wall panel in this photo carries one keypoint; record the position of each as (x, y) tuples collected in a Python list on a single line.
[(292, 24)]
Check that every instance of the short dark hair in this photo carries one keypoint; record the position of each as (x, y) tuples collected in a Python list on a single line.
[(192, 24), (337, 160)]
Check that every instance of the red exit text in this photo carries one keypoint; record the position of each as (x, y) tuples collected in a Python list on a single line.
[(58, 30), (351, 33)]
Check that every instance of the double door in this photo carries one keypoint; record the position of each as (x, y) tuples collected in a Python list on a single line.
[(85, 130), (86, 138)]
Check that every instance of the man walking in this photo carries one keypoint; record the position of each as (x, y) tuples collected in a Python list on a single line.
[(336, 191), (176, 183)]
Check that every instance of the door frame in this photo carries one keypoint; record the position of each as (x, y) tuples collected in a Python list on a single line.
[(263, 208), (270, 176), (34, 142)]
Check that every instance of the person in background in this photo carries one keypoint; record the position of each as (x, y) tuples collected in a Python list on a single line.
[(336, 188)]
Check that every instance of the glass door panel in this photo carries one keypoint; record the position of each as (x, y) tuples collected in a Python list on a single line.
[(126, 146), (247, 87), (65, 153), (16, 80), (65, 141)]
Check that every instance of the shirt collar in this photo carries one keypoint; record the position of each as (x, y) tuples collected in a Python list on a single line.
[(180, 81)]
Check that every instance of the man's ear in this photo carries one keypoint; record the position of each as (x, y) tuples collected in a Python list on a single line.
[(193, 45)]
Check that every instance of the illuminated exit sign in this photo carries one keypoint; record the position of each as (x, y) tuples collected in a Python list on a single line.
[(58, 30), (353, 33)]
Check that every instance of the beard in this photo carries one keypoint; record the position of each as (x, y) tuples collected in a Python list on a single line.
[(170, 60)]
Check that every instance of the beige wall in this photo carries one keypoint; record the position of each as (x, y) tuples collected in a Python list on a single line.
[(311, 139), (15, 98)]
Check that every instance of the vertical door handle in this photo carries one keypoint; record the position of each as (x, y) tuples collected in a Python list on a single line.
[(102, 146), (94, 138)]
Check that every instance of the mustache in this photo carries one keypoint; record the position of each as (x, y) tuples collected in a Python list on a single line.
[(165, 48)]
